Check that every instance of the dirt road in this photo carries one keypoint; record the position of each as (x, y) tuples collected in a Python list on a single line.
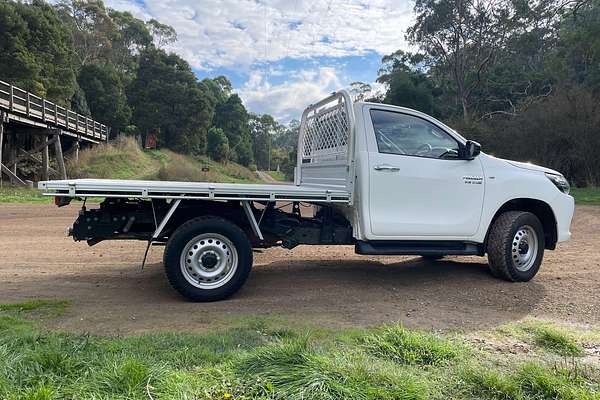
[(324, 286)]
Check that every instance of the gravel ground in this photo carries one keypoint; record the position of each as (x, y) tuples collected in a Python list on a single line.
[(317, 286)]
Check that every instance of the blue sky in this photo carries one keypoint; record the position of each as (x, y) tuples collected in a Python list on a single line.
[(282, 54)]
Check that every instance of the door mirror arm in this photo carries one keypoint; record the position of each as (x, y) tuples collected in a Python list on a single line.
[(469, 150)]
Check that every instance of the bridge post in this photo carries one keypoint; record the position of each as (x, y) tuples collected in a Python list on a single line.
[(45, 159), (1, 143), (59, 155), (76, 147)]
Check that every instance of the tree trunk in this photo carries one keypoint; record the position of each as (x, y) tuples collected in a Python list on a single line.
[(465, 109)]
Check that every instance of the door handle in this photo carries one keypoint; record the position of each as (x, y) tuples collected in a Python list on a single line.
[(385, 167)]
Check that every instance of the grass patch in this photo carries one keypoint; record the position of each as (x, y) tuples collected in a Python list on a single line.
[(531, 380), (13, 194), (297, 369), (588, 195), (404, 346), (277, 175), (126, 160), (56, 307), (258, 360), (555, 340), (187, 169), (123, 159)]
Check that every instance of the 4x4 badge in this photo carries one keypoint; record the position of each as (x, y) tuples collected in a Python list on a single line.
[(473, 180)]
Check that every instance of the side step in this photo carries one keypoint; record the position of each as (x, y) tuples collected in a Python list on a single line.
[(417, 247)]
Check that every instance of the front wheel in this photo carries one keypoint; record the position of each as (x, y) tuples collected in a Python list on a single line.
[(208, 259), (516, 246)]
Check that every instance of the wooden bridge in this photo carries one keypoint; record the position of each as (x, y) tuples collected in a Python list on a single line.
[(45, 124)]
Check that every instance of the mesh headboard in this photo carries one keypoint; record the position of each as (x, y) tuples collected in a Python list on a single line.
[(325, 142)]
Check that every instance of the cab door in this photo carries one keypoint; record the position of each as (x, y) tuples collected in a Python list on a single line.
[(419, 187)]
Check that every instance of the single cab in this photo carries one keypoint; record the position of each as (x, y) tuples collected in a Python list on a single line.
[(388, 180)]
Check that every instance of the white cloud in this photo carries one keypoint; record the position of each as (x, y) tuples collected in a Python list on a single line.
[(239, 33), (287, 100), (251, 35)]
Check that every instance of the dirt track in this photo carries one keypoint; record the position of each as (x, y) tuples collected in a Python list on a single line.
[(326, 286)]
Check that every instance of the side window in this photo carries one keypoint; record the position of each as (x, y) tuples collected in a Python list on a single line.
[(398, 133)]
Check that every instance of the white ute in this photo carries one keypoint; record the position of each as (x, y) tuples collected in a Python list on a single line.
[(386, 179)]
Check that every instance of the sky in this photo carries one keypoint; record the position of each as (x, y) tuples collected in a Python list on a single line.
[(281, 55)]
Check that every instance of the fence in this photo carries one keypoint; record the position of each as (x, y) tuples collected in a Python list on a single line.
[(29, 108)]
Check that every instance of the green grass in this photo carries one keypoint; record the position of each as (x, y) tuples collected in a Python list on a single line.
[(126, 160), (410, 347), (257, 359), (556, 340), (57, 307), (588, 195), (12, 194), (532, 380), (550, 338), (277, 175)]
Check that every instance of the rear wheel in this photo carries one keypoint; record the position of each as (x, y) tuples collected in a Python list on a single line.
[(516, 246), (208, 259)]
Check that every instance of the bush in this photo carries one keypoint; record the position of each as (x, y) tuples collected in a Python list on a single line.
[(217, 144)]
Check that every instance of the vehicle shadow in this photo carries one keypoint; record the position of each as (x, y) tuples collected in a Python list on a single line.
[(449, 293), (457, 293)]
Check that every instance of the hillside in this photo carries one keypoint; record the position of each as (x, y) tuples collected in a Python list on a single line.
[(124, 159)]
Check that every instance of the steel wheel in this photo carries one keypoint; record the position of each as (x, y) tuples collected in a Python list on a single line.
[(515, 246), (208, 261), (524, 248)]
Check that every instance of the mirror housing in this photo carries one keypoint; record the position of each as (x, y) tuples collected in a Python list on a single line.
[(470, 150)]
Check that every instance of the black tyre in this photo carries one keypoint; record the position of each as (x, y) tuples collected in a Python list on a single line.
[(208, 259), (516, 246)]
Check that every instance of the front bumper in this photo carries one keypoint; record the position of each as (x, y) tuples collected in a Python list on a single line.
[(564, 207)]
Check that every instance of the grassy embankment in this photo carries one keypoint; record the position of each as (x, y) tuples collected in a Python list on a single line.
[(256, 359), (277, 175), (125, 160)]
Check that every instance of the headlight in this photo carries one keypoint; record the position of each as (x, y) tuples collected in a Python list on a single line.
[(560, 182)]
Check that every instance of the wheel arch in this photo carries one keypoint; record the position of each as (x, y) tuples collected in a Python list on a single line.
[(540, 209), (231, 211)]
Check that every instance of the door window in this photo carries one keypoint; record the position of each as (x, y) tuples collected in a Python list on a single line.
[(404, 134)]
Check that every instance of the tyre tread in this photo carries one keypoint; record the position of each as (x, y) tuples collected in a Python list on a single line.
[(179, 283), (500, 237)]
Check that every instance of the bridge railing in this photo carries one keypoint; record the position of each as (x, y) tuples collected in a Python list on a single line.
[(22, 102)]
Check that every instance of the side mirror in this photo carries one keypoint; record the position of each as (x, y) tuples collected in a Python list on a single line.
[(470, 150)]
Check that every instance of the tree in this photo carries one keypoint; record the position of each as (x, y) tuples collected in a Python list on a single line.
[(92, 29), (219, 89), (460, 38), (407, 84), (105, 94), (263, 128), (36, 50), (578, 48), (217, 144), (163, 34), (165, 95), (232, 118), (131, 37), (360, 90)]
